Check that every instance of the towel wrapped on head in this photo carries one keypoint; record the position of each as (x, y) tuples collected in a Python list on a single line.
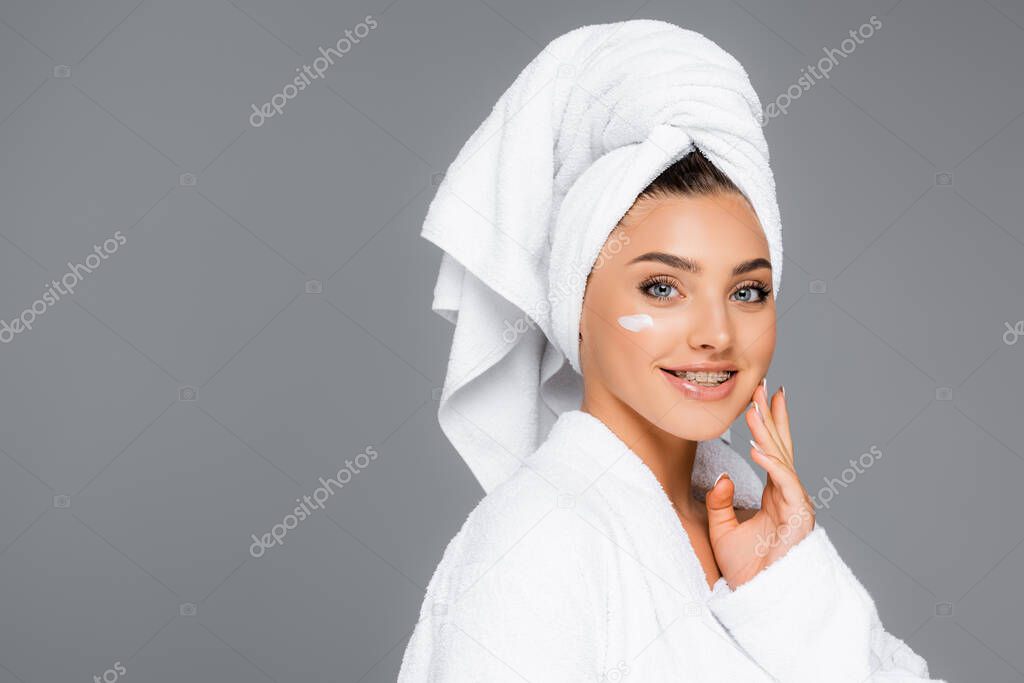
[(526, 206)]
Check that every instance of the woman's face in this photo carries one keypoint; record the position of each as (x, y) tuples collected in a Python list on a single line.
[(683, 282)]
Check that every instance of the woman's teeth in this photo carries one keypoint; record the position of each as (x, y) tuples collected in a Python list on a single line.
[(704, 378)]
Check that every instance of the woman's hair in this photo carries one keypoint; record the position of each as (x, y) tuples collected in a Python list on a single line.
[(693, 174)]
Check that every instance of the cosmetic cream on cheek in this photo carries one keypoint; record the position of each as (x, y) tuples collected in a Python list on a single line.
[(635, 323)]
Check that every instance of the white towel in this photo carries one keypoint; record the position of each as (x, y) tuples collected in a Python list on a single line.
[(525, 207)]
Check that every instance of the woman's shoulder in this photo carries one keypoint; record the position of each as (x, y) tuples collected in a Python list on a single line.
[(527, 532), (533, 509)]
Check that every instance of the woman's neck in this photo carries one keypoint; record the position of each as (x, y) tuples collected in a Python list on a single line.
[(669, 457)]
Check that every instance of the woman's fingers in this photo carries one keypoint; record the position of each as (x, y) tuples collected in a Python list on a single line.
[(772, 438), (775, 467), (759, 428), (786, 478), (780, 417), (760, 400), (782, 475)]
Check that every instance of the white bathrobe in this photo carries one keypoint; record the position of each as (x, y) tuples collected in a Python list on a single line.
[(577, 568)]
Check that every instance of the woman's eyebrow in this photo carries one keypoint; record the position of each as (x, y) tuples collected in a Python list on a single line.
[(690, 266)]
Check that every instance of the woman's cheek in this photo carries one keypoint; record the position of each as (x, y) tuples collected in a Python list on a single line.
[(757, 344), (646, 337), (642, 335)]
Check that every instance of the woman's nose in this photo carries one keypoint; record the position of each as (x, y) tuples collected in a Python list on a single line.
[(710, 326)]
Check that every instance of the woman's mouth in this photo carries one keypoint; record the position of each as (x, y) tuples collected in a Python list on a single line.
[(702, 385)]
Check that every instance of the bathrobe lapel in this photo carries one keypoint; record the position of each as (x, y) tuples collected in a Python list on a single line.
[(654, 538)]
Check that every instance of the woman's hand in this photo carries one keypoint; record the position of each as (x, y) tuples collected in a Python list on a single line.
[(742, 549)]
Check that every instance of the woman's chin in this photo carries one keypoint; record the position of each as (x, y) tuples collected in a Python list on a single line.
[(695, 424)]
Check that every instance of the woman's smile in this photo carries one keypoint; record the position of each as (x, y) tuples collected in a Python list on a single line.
[(702, 386)]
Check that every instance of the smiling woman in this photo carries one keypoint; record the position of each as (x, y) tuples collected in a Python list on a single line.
[(620, 536)]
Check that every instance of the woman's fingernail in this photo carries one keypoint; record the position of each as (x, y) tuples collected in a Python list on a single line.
[(756, 447), (764, 384), (782, 388), (723, 474), (757, 409)]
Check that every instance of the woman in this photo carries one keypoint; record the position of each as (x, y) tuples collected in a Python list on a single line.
[(612, 260)]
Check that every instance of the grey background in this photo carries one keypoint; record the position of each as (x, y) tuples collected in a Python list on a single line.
[(126, 512)]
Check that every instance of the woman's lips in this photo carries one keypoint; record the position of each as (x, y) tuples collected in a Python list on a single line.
[(698, 392)]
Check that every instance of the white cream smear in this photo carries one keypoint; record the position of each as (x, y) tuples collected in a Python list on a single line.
[(635, 323)]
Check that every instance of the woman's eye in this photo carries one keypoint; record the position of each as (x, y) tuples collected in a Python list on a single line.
[(750, 294), (661, 290)]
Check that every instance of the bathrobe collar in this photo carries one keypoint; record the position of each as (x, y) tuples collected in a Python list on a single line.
[(605, 467), (589, 446)]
